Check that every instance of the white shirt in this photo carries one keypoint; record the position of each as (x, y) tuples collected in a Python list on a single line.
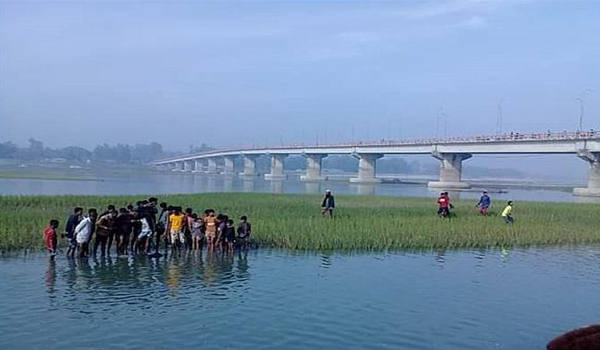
[(83, 231)]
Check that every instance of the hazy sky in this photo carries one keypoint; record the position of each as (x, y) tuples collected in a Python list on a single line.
[(241, 72)]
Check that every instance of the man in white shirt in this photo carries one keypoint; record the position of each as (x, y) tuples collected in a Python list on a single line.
[(83, 232)]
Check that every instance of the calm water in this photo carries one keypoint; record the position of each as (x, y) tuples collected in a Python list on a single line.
[(263, 299), (189, 183)]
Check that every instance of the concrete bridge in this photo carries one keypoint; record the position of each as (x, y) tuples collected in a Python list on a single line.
[(451, 152)]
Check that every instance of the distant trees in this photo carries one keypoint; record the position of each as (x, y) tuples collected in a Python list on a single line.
[(120, 153)]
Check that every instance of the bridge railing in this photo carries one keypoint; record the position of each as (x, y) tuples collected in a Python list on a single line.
[(505, 137)]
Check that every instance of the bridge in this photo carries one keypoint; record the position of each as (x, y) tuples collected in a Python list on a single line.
[(451, 152)]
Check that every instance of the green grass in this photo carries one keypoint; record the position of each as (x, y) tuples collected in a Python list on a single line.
[(362, 223)]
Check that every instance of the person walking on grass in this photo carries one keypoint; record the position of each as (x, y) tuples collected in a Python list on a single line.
[(83, 232), (444, 205), (72, 222), (328, 204), (507, 213), (51, 239), (484, 203)]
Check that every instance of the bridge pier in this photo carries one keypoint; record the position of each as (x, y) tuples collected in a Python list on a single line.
[(249, 166), (593, 189), (212, 166), (229, 165), (313, 167), (198, 166), (367, 168), (450, 170), (276, 167)]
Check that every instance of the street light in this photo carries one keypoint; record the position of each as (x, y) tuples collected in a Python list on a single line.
[(581, 100)]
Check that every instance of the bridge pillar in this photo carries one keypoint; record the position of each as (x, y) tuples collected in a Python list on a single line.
[(367, 167), (187, 166), (313, 167), (229, 164), (450, 170), (276, 167), (212, 166), (249, 166), (197, 166), (593, 189)]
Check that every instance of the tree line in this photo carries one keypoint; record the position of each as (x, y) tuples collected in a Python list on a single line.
[(119, 153)]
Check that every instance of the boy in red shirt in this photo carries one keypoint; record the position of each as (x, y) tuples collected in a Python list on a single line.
[(50, 238)]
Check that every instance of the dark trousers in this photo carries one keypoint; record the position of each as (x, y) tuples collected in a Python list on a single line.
[(100, 240)]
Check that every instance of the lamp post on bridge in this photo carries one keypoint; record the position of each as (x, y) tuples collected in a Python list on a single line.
[(581, 100)]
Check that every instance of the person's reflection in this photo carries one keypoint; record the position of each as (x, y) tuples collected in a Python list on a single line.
[(83, 278), (242, 264), (440, 256), (326, 261), (173, 278), (51, 277)]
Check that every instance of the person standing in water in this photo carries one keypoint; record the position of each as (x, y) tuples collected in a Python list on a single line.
[(51, 239), (328, 204)]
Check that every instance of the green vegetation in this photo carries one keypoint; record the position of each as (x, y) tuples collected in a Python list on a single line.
[(362, 223)]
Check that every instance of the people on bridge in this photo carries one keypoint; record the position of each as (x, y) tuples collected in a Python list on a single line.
[(484, 203), (328, 204), (507, 213)]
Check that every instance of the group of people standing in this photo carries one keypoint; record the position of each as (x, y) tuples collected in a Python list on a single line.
[(483, 206), (138, 229)]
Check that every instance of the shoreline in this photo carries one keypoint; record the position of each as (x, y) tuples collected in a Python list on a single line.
[(362, 223)]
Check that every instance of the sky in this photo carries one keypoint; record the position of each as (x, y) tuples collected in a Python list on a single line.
[(236, 73)]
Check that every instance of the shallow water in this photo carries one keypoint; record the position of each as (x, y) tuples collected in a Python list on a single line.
[(267, 299), (195, 183)]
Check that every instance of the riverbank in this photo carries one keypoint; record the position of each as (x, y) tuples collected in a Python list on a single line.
[(361, 223)]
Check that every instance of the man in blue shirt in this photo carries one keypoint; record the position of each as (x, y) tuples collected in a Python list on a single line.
[(484, 203)]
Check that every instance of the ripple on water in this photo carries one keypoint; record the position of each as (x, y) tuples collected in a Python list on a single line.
[(519, 298)]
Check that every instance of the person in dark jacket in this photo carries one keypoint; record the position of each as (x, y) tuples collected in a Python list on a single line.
[(328, 204), (72, 222)]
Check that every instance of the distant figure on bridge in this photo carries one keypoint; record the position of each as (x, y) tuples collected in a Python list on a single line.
[(484, 203), (507, 213), (328, 204), (444, 205)]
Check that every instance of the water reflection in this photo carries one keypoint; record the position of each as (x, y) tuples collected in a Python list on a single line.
[(276, 186), (364, 189), (133, 279), (167, 183)]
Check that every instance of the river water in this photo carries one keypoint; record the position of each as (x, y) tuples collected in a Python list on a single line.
[(277, 299), (175, 183)]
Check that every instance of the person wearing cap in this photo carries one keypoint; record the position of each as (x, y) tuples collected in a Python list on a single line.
[(484, 203), (328, 204)]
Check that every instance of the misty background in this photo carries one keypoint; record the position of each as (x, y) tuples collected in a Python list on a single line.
[(240, 73)]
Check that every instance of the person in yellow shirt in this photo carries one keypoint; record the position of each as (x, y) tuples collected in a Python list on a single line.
[(177, 222), (507, 213)]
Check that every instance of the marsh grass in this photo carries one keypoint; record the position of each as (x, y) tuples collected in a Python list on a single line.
[(361, 223)]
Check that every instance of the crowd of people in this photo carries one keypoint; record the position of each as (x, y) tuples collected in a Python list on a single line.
[(483, 206), (138, 229), (141, 229)]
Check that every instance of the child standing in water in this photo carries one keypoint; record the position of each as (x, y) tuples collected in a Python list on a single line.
[(243, 231), (229, 234), (50, 238), (196, 228)]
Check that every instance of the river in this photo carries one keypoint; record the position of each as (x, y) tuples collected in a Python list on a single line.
[(176, 183), (277, 299)]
